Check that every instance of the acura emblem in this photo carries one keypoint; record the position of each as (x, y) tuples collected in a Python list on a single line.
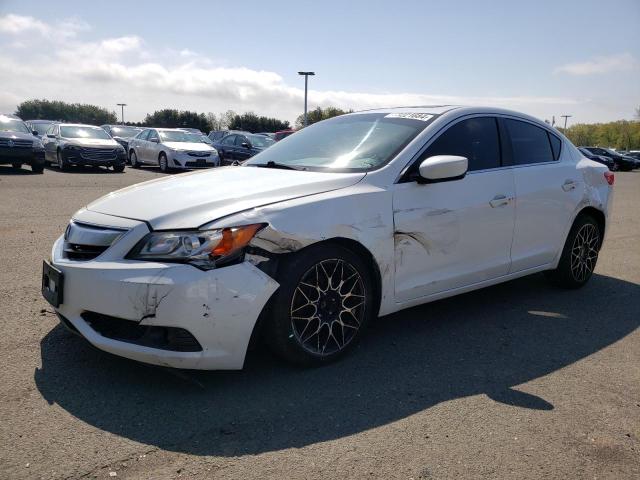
[(10, 143)]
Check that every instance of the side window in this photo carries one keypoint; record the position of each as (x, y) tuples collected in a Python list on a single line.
[(229, 140), (51, 130), (474, 138), (240, 139), (143, 135), (556, 144), (530, 144), (153, 135)]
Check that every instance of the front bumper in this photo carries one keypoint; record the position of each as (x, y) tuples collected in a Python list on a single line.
[(188, 162), (218, 307), (76, 157), (28, 156)]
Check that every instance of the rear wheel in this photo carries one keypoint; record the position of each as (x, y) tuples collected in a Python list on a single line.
[(323, 305), (163, 163), (579, 255)]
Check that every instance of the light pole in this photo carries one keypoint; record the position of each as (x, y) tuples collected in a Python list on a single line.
[(122, 105), (565, 120), (306, 84)]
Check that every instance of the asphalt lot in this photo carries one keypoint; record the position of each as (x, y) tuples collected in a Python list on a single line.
[(521, 380)]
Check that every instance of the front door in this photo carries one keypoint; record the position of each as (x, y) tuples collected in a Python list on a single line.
[(457, 233)]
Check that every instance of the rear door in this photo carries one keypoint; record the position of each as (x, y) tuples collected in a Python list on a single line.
[(456, 233), (548, 190)]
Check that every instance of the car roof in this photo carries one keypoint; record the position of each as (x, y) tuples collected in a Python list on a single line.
[(78, 125), (41, 121)]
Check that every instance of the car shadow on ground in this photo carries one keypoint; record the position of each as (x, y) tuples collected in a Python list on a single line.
[(9, 170), (75, 169), (484, 342)]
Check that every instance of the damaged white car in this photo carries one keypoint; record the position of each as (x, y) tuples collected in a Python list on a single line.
[(354, 217)]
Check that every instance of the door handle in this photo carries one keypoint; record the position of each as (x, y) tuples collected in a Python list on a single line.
[(568, 185), (499, 201)]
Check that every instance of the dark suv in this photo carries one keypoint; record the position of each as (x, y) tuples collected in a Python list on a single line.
[(18, 145)]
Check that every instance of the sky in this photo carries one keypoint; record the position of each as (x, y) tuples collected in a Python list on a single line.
[(545, 58)]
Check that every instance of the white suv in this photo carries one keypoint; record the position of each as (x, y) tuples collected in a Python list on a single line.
[(357, 216)]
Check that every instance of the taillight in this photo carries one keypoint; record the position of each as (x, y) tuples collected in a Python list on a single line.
[(609, 177)]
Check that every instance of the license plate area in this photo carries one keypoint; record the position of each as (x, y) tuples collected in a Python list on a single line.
[(52, 284)]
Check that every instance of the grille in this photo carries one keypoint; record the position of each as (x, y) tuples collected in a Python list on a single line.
[(164, 338), (98, 154), (15, 143), (85, 242), (199, 154), (201, 162)]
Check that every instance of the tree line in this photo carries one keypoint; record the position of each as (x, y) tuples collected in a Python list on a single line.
[(169, 118), (621, 135)]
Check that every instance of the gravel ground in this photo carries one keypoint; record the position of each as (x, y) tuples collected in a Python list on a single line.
[(521, 380)]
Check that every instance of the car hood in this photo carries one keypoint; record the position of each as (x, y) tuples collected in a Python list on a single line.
[(190, 200), (17, 135), (92, 142), (193, 146)]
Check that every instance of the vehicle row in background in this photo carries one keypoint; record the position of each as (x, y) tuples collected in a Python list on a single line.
[(620, 162), (238, 147)]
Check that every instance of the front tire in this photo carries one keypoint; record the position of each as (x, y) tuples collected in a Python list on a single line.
[(37, 167), (118, 168), (322, 307), (579, 255), (16, 165), (62, 163), (134, 159), (163, 163)]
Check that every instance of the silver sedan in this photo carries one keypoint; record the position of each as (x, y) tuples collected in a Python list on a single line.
[(171, 148)]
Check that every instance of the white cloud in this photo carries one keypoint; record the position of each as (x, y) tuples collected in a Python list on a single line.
[(125, 69), (622, 62)]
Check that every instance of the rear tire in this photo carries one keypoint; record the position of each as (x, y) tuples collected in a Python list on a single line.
[(322, 307), (579, 255)]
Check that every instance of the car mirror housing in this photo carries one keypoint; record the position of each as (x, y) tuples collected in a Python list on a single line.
[(246, 145), (442, 168), (51, 135), (35, 132)]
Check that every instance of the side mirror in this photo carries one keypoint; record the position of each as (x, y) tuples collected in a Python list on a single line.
[(51, 135), (35, 132), (246, 145), (442, 168), (154, 140)]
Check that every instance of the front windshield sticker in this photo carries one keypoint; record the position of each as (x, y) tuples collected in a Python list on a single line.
[(425, 117)]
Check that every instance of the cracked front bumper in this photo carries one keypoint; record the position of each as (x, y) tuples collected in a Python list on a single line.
[(218, 307)]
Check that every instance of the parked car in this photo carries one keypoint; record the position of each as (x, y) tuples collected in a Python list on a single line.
[(122, 133), (19, 145), (358, 216), (217, 135), (599, 158), (70, 144), (621, 162), (171, 148), (39, 126), (282, 134), (239, 147)]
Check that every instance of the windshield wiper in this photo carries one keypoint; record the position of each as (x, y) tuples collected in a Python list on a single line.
[(283, 166)]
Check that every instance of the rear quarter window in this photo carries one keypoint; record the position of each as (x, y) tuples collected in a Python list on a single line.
[(530, 144)]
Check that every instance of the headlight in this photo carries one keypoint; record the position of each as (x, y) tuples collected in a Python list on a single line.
[(204, 249)]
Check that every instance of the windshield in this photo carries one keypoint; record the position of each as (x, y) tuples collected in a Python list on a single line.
[(260, 141), (177, 136), (83, 132), (124, 132), (350, 142), (8, 124), (41, 127)]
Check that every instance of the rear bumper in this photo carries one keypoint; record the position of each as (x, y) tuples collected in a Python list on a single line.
[(218, 308)]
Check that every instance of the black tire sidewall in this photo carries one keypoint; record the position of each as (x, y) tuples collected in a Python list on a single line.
[(166, 163), (132, 156), (563, 275), (279, 331)]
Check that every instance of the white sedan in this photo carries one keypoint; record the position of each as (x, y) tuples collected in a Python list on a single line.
[(171, 148), (358, 216)]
